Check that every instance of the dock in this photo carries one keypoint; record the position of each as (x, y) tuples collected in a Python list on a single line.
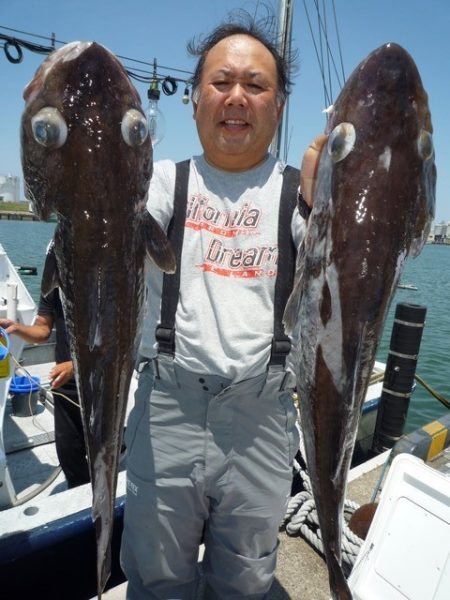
[(301, 572), (18, 215)]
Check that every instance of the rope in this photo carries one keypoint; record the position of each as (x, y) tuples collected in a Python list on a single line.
[(301, 518), (429, 389), (377, 377)]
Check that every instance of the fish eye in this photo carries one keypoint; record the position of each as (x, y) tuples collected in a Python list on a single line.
[(425, 144), (134, 127), (341, 141), (49, 128)]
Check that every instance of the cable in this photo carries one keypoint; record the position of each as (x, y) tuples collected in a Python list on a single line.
[(338, 37), (377, 377), (42, 37), (30, 378), (50, 479), (163, 75), (429, 389), (57, 469), (321, 46), (169, 86), (19, 54)]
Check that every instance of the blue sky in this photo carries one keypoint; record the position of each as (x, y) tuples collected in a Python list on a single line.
[(147, 29)]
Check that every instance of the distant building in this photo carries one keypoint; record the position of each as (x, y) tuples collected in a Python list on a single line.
[(441, 232), (9, 188)]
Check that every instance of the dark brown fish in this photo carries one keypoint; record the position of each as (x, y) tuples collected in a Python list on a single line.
[(87, 157), (373, 205)]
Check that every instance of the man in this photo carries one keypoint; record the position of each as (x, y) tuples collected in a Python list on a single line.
[(69, 437), (212, 435)]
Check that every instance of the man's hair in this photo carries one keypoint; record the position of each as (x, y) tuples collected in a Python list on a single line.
[(244, 24)]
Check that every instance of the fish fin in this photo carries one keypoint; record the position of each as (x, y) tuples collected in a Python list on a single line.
[(417, 245), (425, 216), (39, 203), (293, 303), (50, 276), (157, 245)]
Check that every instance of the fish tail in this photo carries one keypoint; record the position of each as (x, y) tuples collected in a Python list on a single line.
[(338, 583), (103, 516), (103, 562)]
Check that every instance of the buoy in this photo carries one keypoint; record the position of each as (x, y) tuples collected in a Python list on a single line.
[(24, 270), (398, 383)]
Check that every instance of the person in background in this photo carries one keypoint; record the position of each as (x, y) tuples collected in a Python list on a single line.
[(212, 436), (69, 437)]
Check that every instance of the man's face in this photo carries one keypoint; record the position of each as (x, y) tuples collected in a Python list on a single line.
[(237, 110)]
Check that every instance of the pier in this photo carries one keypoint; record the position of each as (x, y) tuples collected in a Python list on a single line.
[(18, 215)]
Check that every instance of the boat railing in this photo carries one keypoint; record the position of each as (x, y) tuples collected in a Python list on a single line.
[(16, 303)]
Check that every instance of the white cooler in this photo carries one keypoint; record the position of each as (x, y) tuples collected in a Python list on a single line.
[(406, 555)]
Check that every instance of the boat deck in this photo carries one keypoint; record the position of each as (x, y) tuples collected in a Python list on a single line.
[(301, 571), (29, 446)]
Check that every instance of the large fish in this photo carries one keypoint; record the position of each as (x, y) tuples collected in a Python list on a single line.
[(373, 206), (87, 157)]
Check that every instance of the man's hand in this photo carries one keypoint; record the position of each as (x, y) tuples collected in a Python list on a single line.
[(8, 325), (309, 167), (33, 334), (61, 373)]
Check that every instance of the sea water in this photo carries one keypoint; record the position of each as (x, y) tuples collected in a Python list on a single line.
[(26, 243), (430, 273)]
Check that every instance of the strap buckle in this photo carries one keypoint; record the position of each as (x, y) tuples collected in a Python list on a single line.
[(279, 351), (165, 336)]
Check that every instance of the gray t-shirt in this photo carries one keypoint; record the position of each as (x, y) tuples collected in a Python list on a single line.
[(224, 319)]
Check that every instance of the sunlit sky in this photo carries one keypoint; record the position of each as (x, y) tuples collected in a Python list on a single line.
[(146, 29)]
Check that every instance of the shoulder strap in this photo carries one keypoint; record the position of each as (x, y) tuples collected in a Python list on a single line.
[(287, 252), (165, 331)]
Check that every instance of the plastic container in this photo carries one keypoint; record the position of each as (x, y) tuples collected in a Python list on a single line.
[(24, 395), (406, 554), (4, 355)]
